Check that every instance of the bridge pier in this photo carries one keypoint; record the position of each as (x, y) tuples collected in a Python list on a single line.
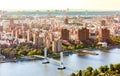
[(61, 62), (45, 55)]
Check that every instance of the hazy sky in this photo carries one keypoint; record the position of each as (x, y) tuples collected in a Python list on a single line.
[(60, 4)]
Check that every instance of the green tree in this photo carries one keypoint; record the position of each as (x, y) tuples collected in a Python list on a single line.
[(112, 67), (72, 74), (95, 72), (89, 69), (79, 73), (86, 73), (117, 68), (101, 69), (105, 68), (70, 47)]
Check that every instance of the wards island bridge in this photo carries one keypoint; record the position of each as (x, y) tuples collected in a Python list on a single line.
[(61, 63)]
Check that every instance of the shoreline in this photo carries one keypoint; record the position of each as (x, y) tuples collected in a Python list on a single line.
[(19, 59), (67, 53)]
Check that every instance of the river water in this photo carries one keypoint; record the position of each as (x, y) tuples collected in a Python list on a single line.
[(61, 13), (72, 62)]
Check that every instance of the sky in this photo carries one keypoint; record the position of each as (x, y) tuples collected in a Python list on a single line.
[(59, 4)]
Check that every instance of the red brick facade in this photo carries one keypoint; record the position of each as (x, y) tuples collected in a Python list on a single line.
[(104, 34), (82, 34), (65, 34)]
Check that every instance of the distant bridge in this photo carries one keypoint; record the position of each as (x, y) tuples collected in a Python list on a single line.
[(47, 59)]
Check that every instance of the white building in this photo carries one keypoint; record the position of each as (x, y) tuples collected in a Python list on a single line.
[(104, 44)]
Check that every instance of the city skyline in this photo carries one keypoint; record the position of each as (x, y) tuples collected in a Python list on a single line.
[(61, 4), (62, 38)]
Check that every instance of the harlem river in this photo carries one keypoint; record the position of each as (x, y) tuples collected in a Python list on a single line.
[(72, 62)]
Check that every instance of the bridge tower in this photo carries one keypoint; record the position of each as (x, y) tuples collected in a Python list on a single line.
[(61, 62), (45, 55)]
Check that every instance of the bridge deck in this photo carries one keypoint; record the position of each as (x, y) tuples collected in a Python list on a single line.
[(57, 61)]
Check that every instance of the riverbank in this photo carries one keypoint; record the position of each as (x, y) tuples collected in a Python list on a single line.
[(32, 58), (72, 62), (24, 58), (90, 51), (86, 52)]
